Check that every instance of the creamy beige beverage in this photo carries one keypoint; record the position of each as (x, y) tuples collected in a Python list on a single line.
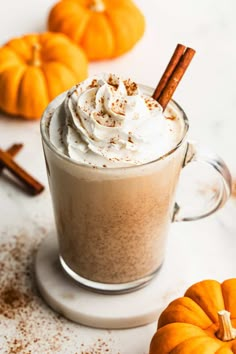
[(113, 161)]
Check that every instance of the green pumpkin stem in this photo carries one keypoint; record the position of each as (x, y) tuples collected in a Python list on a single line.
[(225, 332), (97, 5)]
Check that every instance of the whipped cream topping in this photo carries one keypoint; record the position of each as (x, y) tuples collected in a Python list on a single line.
[(106, 121)]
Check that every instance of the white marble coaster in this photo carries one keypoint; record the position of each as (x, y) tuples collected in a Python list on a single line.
[(83, 306)]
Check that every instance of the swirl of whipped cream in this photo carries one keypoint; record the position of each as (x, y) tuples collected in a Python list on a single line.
[(107, 121)]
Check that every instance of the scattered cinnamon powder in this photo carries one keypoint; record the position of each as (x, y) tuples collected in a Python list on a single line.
[(12, 299), (130, 140), (113, 82), (27, 324), (170, 117), (131, 87), (150, 103), (99, 347), (93, 84)]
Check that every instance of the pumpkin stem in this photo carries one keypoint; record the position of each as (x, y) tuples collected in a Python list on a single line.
[(226, 332), (97, 5), (35, 61)]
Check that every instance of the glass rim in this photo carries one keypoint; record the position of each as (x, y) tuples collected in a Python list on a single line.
[(47, 113)]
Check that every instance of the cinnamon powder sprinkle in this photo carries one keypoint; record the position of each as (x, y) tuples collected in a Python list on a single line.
[(150, 103), (170, 117), (130, 140), (27, 324), (93, 84), (111, 81), (131, 87)]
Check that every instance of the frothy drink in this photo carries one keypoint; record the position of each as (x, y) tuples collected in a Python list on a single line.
[(113, 161)]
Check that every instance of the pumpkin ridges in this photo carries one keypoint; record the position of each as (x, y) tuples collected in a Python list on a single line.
[(51, 41), (69, 27), (75, 15), (125, 38), (210, 304), (184, 310), (198, 345), (29, 105), (20, 48), (228, 288), (121, 14), (52, 49), (64, 73), (58, 11), (98, 31), (58, 78), (122, 37), (23, 46), (9, 83), (161, 343), (79, 75), (8, 59), (22, 80)]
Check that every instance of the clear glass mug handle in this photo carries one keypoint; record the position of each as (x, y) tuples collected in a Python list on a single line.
[(221, 192)]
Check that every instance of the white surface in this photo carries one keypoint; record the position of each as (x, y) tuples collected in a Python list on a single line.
[(92, 309), (207, 93)]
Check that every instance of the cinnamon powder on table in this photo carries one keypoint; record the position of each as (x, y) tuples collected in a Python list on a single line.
[(27, 325)]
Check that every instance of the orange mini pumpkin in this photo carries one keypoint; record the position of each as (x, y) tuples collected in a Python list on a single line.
[(104, 28), (199, 322), (36, 68)]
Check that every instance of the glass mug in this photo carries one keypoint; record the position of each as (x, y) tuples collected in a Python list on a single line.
[(112, 223)]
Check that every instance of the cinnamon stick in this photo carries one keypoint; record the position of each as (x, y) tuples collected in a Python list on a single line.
[(33, 186), (173, 75), (13, 151), (179, 51)]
